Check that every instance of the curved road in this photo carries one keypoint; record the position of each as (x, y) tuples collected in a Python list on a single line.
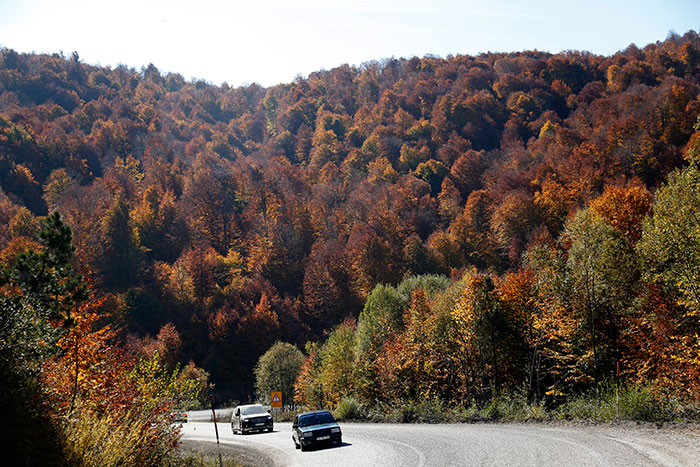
[(470, 444)]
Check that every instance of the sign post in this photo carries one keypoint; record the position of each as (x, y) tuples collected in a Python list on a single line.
[(218, 446), (617, 391)]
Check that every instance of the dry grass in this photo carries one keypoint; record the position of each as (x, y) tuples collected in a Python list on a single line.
[(104, 440)]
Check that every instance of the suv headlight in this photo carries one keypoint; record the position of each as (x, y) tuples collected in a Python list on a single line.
[(335, 430)]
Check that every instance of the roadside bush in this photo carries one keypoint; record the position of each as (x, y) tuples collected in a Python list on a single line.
[(350, 408), (514, 407), (425, 411), (589, 406), (676, 408), (636, 403), (465, 414), (106, 440)]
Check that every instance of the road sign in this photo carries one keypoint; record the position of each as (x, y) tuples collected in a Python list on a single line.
[(275, 399)]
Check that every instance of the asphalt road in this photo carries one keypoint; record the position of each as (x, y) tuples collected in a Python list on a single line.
[(466, 445)]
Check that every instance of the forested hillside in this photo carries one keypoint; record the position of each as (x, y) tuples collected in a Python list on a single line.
[(224, 219)]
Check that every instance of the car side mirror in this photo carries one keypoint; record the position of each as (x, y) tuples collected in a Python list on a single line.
[(238, 413), (295, 426)]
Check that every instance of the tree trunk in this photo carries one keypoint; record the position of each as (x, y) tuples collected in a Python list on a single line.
[(75, 376)]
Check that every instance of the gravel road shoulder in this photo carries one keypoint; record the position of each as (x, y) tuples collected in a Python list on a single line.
[(244, 456)]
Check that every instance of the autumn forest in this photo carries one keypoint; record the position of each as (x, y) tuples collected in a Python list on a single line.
[(442, 228)]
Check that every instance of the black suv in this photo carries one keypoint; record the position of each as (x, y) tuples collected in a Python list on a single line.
[(251, 417), (319, 427)]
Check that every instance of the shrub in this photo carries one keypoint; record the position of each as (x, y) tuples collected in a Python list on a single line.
[(106, 440), (511, 406), (637, 402), (424, 411), (350, 408)]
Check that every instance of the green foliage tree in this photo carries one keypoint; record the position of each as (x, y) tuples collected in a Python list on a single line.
[(383, 312), (602, 270), (46, 276), (338, 371), (277, 370), (670, 244)]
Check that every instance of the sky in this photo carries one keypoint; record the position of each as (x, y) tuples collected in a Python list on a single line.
[(274, 41)]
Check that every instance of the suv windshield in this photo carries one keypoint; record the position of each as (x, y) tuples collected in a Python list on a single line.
[(316, 419), (252, 410)]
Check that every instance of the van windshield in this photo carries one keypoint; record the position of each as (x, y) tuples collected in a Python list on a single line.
[(316, 419), (252, 410)]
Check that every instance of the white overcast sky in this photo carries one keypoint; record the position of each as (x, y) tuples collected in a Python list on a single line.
[(273, 41)]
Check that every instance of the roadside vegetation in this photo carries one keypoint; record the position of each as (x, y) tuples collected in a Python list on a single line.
[(610, 308), (74, 393), (636, 403)]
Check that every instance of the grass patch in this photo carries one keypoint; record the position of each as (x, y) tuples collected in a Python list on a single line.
[(108, 440)]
